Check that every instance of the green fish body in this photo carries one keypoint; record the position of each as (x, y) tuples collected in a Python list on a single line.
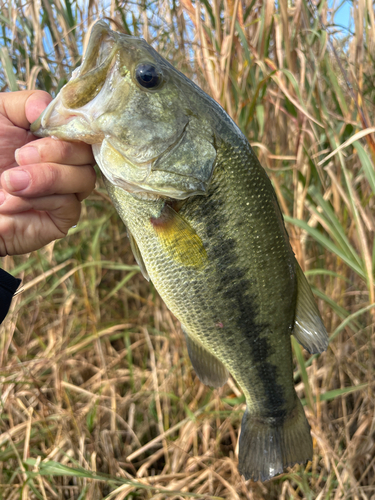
[(205, 226)]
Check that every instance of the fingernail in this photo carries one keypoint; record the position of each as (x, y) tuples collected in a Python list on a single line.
[(16, 180), (2, 197), (27, 155)]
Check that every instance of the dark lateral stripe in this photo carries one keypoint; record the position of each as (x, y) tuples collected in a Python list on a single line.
[(234, 287)]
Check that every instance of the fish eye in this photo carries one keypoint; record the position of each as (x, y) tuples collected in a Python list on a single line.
[(148, 76)]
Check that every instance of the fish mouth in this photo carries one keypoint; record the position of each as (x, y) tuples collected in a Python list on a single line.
[(66, 116)]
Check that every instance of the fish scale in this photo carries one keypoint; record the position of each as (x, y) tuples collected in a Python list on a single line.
[(240, 280), (234, 295), (205, 226)]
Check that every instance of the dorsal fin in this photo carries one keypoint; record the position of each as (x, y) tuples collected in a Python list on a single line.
[(308, 328)]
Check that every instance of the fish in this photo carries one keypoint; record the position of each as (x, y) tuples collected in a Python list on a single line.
[(205, 227)]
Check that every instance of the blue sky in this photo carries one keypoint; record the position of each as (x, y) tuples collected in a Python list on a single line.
[(343, 15)]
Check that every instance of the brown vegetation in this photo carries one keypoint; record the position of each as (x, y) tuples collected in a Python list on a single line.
[(98, 397)]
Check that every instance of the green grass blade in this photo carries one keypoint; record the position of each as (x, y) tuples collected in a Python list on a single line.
[(336, 229), (298, 351), (8, 68), (350, 318), (335, 85), (51, 468), (326, 272), (328, 244), (336, 393), (368, 167), (340, 311)]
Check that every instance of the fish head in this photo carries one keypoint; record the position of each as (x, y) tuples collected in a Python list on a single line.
[(149, 126)]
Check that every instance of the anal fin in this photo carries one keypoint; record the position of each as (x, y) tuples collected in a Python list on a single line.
[(209, 369), (308, 327)]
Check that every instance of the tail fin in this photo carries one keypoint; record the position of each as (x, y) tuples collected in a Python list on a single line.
[(266, 448)]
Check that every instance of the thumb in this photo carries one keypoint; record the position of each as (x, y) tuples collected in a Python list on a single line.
[(36, 104), (23, 107)]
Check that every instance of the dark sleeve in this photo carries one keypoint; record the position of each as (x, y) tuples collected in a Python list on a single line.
[(8, 286)]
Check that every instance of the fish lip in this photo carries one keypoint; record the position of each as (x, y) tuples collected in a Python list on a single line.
[(65, 113), (40, 125), (101, 36), (99, 32)]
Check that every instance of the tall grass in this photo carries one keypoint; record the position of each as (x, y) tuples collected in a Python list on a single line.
[(98, 397)]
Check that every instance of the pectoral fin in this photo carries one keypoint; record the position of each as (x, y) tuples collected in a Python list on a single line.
[(209, 369), (179, 239), (137, 255), (308, 328)]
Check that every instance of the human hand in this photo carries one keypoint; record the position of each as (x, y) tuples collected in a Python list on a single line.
[(41, 184)]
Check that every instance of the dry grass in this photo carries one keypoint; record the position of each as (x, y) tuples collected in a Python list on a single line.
[(98, 397)]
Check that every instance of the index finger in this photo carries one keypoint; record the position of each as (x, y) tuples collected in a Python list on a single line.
[(23, 107), (51, 150)]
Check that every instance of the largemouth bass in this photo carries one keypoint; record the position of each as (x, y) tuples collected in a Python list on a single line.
[(205, 226)]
